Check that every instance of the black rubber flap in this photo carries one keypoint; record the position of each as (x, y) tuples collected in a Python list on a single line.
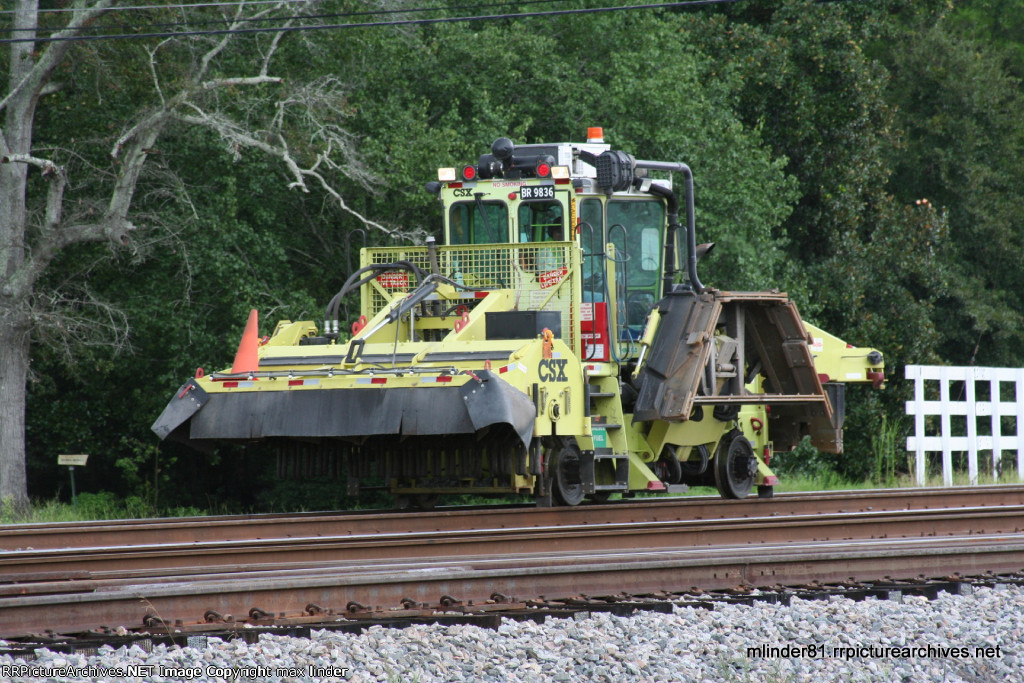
[(186, 402), (362, 412), (494, 401)]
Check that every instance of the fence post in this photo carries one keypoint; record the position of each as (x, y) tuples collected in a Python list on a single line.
[(970, 414), (917, 407), (947, 450), (996, 416), (1019, 398)]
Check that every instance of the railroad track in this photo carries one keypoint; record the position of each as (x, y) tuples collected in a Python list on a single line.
[(469, 556), (236, 527)]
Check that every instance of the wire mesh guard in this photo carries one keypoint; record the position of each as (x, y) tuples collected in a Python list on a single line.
[(542, 276)]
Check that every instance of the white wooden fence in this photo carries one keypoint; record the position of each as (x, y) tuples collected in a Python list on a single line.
[(963, 437)]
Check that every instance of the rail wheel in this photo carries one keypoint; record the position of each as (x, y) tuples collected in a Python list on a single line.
[(735, 466), (564, 466)]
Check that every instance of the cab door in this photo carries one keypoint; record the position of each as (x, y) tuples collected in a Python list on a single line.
[(636, 228)]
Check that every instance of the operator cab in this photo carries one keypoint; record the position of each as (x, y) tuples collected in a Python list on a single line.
[(584, 193)]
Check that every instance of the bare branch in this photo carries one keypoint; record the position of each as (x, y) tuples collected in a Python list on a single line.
[(222, 43), (152, 120), (55, 193), (39, 74), (160, 115), (152, 70), (44, 165), (249, 80), (67, 319), (232, 132)]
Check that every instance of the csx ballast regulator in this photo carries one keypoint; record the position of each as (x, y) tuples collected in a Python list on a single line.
[(559, 343)]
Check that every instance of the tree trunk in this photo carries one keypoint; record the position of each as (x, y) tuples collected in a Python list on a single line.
[(15, 138), (14, 348)]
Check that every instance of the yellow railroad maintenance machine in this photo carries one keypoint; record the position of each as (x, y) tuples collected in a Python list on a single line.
[(559, 344)]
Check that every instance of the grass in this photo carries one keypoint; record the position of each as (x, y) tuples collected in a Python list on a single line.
[(962, 478), (91, 506), (105, 505)]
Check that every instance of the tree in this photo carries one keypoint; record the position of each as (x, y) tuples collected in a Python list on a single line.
[(959, 110), (65, 193)]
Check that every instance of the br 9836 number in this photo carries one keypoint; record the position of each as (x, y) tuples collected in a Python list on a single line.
[(541, 192)]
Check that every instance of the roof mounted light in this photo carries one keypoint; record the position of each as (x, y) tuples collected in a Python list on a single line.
[(559, 172), (469, 172), (446, 174), (595, 134), (543, 168)]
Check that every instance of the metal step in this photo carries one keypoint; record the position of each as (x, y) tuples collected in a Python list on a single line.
[(599, 421)]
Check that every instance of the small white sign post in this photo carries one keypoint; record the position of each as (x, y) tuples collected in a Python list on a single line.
[(72, 461)]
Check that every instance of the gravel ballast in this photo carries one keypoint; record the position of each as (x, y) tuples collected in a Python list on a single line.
[(974, 637)]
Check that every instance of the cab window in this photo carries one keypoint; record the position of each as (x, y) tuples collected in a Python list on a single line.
[(467, 225), (542, 221), (592, 240), (636, 229)]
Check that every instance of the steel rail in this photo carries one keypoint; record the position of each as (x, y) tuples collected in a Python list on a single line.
[(233, 527), (527, 575), (21, 567)]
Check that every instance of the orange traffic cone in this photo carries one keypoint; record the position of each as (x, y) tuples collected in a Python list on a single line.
[(246, 359)]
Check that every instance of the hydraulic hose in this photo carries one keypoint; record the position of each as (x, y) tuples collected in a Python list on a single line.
[(353, 282)]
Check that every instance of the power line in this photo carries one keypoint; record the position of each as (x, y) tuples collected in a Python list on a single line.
[(188, 6), (372, 24), (415, 10)]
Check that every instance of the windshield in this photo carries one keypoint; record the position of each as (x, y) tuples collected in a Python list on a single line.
[(468, 226), (541, 222)]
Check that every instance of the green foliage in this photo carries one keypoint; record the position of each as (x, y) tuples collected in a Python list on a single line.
[(95, 506), (887, 445), (815, 132), (996, 24), (964, 138)]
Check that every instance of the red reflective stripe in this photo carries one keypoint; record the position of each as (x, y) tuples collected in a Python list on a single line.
[(444, 378), (563, 181), (481, 295), (230, 385), (378, 380), (295, 382)]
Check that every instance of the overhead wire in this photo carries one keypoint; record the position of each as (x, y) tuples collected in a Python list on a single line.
[(370, 24), (248, 20), (59, 10)]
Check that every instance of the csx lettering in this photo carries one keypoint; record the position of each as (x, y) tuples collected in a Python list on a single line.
[(552, 370), (463, 192)]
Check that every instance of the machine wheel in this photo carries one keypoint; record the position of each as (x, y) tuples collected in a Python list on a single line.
[(564, 469), (735, 466)]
